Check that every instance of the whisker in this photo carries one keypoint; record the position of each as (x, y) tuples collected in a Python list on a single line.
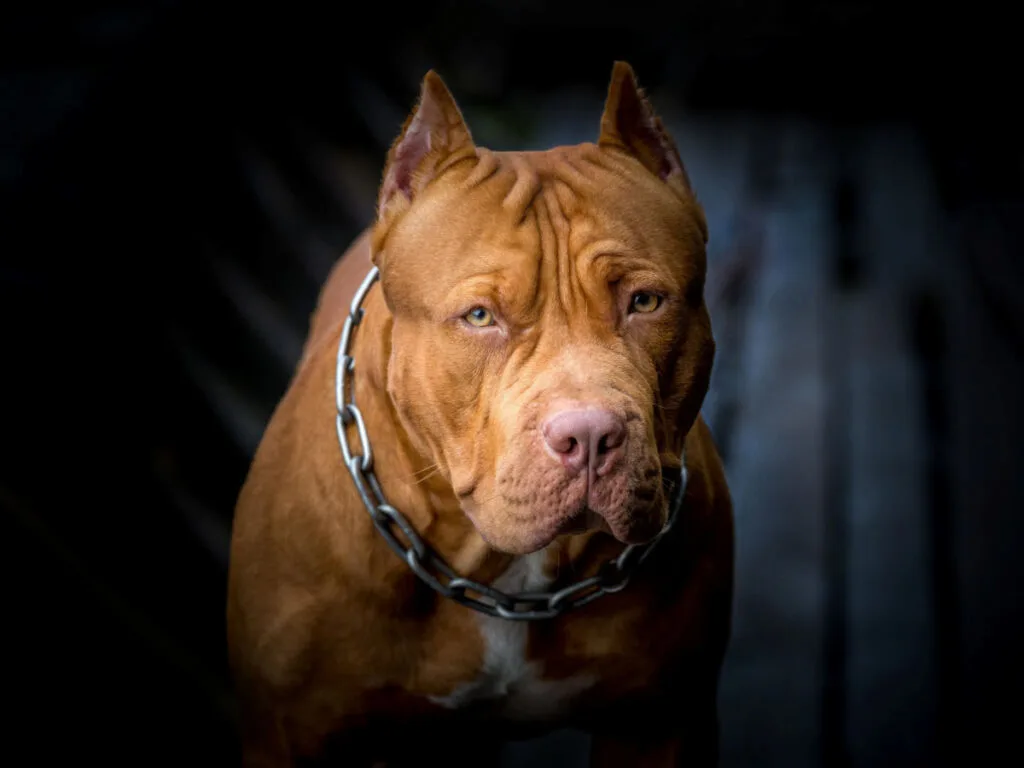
[(427, 470), (421, 475), (426, 477)]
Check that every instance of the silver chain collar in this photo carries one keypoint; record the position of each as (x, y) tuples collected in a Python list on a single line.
[(612, 577)]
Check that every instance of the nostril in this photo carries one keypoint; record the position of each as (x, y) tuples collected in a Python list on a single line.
[(573, 451), (613, 437), (607, 452), (562, 444)]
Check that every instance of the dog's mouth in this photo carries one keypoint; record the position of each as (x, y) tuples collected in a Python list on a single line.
[(629, 526), (638, 527), (583, 522), (633, 528), (532, 498)]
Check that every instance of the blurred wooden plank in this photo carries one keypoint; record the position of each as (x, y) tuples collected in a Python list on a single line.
[(770, 697), (890, 664), (350, 178), (241, 415), (718, 153), (982, 367), (261, 311), (283, 212)]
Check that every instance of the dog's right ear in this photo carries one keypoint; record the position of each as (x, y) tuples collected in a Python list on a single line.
[(629, 123), (434, 135)]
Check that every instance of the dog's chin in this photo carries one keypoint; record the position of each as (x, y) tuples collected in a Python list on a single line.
[(514, 545), (641, 530), (520, 542), (630, 529), (585, 522), (527, 539)]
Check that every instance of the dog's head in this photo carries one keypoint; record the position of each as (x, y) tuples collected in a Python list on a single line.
[(550, 344)]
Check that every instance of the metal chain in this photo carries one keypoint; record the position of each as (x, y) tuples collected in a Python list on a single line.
[(612, 577)]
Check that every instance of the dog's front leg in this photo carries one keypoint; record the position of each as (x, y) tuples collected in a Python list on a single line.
[(617, 751), (691, 741), (460, 750), (265, 750), (262, 738)]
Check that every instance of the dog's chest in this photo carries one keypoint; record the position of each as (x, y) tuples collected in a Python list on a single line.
[(508, 678)]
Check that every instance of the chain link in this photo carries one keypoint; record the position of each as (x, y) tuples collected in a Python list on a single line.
[(406, 542)]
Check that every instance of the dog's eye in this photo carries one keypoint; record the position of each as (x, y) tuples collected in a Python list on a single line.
[(644, 302), (479, 317)]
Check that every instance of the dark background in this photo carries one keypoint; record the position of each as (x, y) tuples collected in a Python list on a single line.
[(176, 178)]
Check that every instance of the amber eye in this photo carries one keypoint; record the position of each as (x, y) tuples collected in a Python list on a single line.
[(479, 317), (644, 301)]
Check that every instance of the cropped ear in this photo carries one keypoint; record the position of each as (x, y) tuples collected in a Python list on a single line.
[(629, 123), (433, 133)]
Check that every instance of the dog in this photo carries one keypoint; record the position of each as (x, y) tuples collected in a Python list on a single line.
[(487, 504)]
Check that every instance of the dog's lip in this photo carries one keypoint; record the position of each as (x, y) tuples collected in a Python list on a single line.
[(464, 488), (582, 522), (636, 530)]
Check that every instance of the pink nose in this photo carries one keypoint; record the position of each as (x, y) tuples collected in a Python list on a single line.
[(586, 439)]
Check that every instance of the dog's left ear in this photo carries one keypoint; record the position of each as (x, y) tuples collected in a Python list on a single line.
[(629, 123)]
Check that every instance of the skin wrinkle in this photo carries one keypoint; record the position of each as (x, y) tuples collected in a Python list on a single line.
[(568, 288), (548, 267), (524, 190), (486, 168)]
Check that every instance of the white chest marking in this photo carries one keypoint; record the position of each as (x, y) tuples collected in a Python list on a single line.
[(506, 674)]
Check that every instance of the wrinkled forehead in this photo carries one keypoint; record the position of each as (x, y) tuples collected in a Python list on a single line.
[(513, 212)]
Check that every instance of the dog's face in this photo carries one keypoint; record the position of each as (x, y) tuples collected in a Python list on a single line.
[(550, 344)]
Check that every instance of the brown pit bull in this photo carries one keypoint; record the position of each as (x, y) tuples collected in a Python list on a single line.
[(510, 402)]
